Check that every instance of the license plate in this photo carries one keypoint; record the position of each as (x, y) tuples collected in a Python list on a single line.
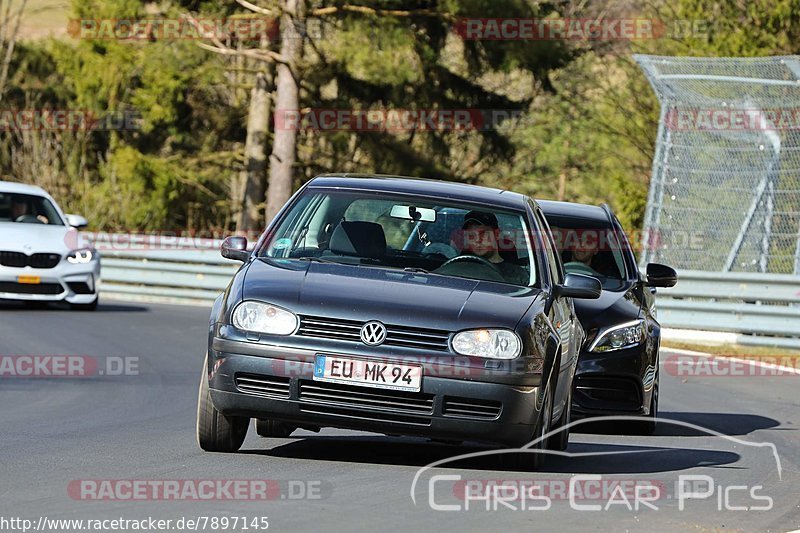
[(367, 373), (29, 280)]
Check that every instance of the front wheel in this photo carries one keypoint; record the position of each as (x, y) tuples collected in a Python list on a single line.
[(534, 460), (215, 431), (560, 440), (649, 425)]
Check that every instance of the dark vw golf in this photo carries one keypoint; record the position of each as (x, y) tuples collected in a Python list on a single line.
[(400, 306)]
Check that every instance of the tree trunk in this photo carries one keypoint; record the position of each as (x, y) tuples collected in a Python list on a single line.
[(8, 40), (287, 95), (252, 180)]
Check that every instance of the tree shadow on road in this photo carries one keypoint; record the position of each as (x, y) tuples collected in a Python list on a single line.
[(732, 424), (585, 458)]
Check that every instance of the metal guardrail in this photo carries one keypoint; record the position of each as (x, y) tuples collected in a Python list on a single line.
[(194, 273), (763, 308)]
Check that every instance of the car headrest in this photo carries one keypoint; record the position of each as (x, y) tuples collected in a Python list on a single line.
[(364, 239)]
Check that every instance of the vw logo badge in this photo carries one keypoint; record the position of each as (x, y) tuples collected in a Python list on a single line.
[(373, 333)]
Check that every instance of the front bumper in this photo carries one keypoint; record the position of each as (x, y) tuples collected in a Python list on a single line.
[(77, 284), (278, 383), (613, 383)]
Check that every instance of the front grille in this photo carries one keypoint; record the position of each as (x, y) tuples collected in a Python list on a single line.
[(471, 408), (259, 385), (50, 289), (20, 260), (13, 259), (44, 260), (400, 402), (350, 330)]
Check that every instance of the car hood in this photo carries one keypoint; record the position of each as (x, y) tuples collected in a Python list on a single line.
[(39, 238), (391, 296), (613, 307)]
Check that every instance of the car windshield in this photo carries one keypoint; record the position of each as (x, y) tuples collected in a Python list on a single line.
[(590, 247), (416, 234), (28, 209)]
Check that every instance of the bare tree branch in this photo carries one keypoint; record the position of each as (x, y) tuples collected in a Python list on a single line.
[(252, 7), (364, 10), (220, 48)]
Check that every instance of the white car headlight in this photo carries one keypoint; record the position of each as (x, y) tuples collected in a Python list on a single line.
[(489, 343), (80, 257), (261, 317), (622, 336)]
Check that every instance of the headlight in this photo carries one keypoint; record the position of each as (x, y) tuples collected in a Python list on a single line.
[(491, 343), (261, 317), (80, 257), (619, 337)]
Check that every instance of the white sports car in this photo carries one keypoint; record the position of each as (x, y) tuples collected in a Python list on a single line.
[(43, 257)]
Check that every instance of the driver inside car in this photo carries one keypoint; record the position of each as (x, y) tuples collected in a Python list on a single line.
[(582, 256), (19, 213), (480, 238)]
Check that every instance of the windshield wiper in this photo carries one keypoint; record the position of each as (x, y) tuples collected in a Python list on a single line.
[(314, 259), (416, 270)]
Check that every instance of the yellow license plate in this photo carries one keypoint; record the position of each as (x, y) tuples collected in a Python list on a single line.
[(29, 280)]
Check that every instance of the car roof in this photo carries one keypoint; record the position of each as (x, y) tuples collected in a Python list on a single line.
[(428, 187), (599, 214), (21, 188)]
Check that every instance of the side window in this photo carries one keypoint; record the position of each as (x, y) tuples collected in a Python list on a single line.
[(554, 261)]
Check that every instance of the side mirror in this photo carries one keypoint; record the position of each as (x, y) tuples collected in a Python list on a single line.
[(661, 275), (76, 221), (580, 286), (235, 248)]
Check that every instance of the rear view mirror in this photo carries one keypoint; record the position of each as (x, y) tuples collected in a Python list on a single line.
[(580, 286), (659, 275), (417, 214), (76, 221), (235, 248)]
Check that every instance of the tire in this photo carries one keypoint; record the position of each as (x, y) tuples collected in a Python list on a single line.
[(649, 425), (560, 440), (91, 306), (529, 460), (273, 428), (215, 431)]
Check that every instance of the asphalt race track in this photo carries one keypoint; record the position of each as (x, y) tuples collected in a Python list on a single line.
[(60, 431)]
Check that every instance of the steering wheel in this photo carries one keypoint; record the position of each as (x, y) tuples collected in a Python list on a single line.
[(576, 267), (28, 219), (471, 259)]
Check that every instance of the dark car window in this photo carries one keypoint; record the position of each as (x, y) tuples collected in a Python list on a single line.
[(591, 247), (28, 209), (379, 229)]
